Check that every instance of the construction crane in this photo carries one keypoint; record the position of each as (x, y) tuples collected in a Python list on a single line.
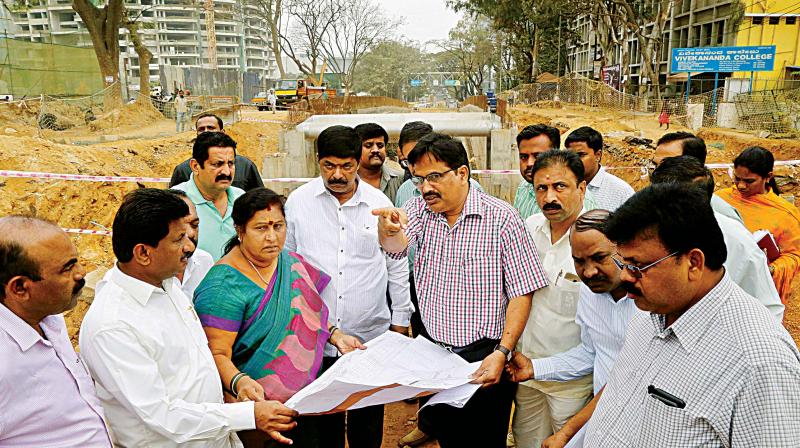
[(212, 34)]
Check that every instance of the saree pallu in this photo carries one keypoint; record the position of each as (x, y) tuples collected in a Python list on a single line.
[(281, 331), (771, 212)]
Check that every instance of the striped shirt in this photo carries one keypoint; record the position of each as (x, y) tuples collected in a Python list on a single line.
[(342, 241), (608, 190), (603, 323), (735, 368), (408, 190), (466, 274), (526, 205)]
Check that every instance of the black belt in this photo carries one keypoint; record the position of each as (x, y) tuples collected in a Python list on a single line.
[(475, 351)]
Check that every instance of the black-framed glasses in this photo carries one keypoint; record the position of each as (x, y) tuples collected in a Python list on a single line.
[(637, 271), (432, 178)]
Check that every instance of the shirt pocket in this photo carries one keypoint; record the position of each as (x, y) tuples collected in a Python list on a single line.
[(569, 293), (367, 245), (667, 426), (475, 279)]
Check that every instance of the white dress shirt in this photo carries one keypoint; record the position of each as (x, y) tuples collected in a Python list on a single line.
[(603, 324), (47, 398), (747, 265), (608, 190), (734, 367), (196, 269), (155, 375), (551, 326), (342, 240)]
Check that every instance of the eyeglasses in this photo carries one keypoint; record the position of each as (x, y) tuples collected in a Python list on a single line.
[(432, 178), (637, 271), (404, 164)]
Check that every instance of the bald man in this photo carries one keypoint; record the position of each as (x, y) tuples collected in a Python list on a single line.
[(47, 396)]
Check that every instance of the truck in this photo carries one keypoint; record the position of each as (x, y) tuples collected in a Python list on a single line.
[(294, 90)]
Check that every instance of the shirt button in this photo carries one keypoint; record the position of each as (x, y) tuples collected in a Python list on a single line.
[(340, 273), (342, 228), (341, 250)]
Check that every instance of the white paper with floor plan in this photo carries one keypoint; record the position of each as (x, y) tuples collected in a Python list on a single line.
[(392, 368)]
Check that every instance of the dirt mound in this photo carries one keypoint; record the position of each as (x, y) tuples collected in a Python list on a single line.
[(470, 108), (138, 113)]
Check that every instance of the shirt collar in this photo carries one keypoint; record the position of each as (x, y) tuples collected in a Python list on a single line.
[(387, 174), (599, 178), (695, 321), (319, 189), (139, 290), (545, 229), (474, 204), (19, 330), (197, 198)]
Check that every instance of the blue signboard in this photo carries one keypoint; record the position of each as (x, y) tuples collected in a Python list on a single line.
[(416, 82), (723, 59)]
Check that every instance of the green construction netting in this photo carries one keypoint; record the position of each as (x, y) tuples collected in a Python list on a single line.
[(32, 68)]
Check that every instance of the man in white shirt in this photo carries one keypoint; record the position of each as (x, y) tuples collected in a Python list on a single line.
[(145, 347), (46, 395), (706, 365), (330, 223), (675, 144), (603, 315), (746, 263), (200, 262), (181, 109), (542, 407), (608, 191)]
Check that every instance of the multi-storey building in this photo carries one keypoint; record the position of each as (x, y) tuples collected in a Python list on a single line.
[(691, 23), (173, 30)]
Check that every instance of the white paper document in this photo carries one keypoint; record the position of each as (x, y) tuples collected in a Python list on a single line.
[(392, 368)]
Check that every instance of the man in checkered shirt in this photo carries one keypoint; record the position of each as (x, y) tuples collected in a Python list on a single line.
[(708, 365), (475, 268)]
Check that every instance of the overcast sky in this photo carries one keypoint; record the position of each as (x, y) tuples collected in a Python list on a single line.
[(424, 19)]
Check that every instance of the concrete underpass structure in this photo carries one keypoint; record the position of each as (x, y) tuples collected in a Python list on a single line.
[(489, 145)]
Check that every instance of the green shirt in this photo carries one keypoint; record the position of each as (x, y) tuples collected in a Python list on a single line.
[(525, 200), (215, 230)]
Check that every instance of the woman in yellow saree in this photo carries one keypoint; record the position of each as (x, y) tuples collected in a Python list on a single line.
[(755, 195)]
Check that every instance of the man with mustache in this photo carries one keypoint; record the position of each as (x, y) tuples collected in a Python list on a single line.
[(603, 315), (480, 268), (145, 347), (47, 397), (210, 189), (706, 365), (200, 261), (746, 263), (608, 190), (532, 141), (372, 168), (246, 175), (329, 223), (542, 407)]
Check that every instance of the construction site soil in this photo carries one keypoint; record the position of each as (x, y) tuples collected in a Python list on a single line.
[(138, 148)]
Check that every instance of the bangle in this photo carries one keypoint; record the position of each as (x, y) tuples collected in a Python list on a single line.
[(234, 381), (330, 332)]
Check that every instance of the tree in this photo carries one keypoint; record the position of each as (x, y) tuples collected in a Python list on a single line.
[(386, 69), (360, 27), (143, 53), (472, 45), (309, 22), (103, 24)]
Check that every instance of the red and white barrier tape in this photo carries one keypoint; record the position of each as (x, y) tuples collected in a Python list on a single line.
[(261, 120), (88, 232)]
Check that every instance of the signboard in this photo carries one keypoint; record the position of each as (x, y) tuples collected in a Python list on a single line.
[(415, 82), (611, 75), (723, 59), (596, 66), (452, 82)]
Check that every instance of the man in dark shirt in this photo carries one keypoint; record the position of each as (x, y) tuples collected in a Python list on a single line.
[(246, 175)]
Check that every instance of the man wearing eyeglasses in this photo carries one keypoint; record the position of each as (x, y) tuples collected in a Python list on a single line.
[(475, 268), (542, 407), (707, 365), (330, 224)]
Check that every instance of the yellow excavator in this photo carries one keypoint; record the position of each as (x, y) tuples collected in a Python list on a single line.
[(294, 90)]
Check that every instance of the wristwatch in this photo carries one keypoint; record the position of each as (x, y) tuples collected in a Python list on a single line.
[(506, 352)]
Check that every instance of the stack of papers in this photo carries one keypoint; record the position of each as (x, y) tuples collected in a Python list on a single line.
[(392, 368)]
